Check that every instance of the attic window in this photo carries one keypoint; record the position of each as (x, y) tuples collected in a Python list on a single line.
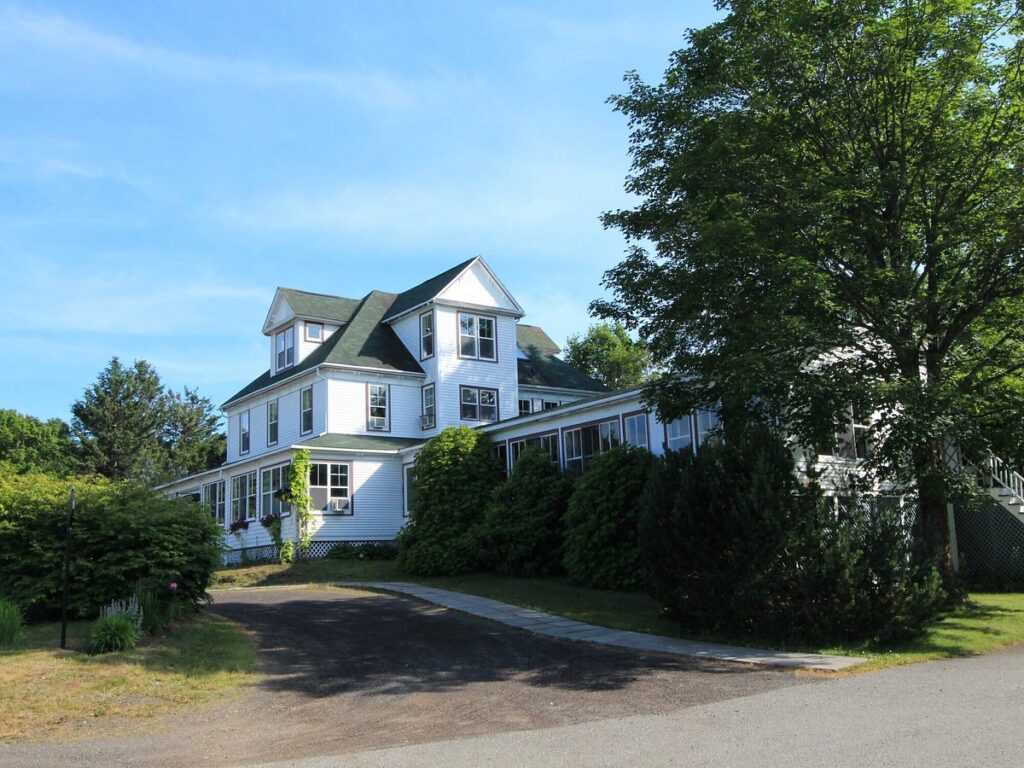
[(315, 332), (284, 343)]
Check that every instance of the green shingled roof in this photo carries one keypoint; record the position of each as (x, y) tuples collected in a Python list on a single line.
[(543, 368), (364, 341), (320, 305), (360, 442), (426, 290)]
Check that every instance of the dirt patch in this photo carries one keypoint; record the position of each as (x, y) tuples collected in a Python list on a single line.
[(347, 670)]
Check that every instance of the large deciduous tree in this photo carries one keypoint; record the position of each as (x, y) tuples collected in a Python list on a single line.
[(28, 444), (832, 211), (608, 354)]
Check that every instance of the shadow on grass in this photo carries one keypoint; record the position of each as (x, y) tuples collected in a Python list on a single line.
[(379, 646)]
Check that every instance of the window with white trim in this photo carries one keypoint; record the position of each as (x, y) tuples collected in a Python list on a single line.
[(547, 443), (377, 407), (409, 470), (679, 434), (477, 337), (583, 443), (284, 343), (215, 498), (636, 430), (306, 410), (271, 481), (272, 422), (315, 332), (243, 432), (429, 406), (243, 496), (708, 424), (478, 404), (426, 335), (330, 487)]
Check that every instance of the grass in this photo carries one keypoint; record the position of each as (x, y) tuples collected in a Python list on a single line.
[(987, 622), (54, 694)]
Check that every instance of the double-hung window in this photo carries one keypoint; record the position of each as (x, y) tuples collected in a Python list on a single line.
[(584, 443), (271, 481), (478, 404), (243, 496), (378, 416), (636, 430), (426, 335), (306, 410), (330, 487), (214, 498), (284, 343), (679, 435), (477, 337), (853, 442), (272, 422), (243, 432), (429, 406)]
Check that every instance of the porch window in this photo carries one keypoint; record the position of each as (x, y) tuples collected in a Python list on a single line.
[(583, 443), (214, 497), (271, 481), (679, 435), (243, 496), (636, 430)]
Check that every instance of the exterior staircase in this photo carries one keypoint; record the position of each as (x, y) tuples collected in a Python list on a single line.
[(1004, 484)]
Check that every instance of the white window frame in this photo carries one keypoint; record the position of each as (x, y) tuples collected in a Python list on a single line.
[(274, 422), (244, 432), (428, 406), (249, 497), (475, 335), (284, 343), (679, 434), (408, 479), (608, 435), (309, 337), (269, 504), (427, 335), (478, 403), (381, 421), (640, 422), (303, 429), (214, 496), (335, 490)]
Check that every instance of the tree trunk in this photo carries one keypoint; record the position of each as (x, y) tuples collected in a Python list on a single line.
[(933, 513)]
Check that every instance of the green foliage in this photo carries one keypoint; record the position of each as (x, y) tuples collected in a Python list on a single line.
[(608, 354), (11, 623), (128, 427), (158, 609), (298, 494), (126, 538), (30, 445), (367, 550), (736, 545), (287, 555), (454, 472), (524, 521), (114, 632), (818, 176), (601, 549)]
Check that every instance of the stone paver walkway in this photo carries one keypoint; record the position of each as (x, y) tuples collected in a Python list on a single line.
[(568, 629)]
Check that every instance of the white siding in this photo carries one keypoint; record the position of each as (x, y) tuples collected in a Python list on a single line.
[(303, 347), (476, 286), (376, 500), (347, 404), (288, 417)]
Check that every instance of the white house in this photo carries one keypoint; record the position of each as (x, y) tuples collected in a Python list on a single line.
[(361, 384)]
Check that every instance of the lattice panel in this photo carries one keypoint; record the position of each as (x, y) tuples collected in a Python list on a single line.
[(991, 544), (263, 554)]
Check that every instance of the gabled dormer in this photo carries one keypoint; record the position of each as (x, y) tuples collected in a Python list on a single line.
[(299, 322)]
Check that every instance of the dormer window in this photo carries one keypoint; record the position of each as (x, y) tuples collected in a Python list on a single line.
[(315, 332), (284, 343), (477, 337)]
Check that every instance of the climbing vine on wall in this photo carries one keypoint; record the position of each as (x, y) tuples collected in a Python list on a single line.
[(298, 494)]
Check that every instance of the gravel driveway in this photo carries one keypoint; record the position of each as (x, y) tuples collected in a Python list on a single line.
[(346, 670)]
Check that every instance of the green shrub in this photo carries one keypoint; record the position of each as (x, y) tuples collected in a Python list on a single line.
[(736, 545), (525, 519), (126, 538), (11, 623), (157, 609), (601, 523), (367, 550), (287, 555), (455, 471), (119, 628)]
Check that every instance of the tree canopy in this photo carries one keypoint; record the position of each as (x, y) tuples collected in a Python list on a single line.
[(830, 213), (607, 353), (28, 444)]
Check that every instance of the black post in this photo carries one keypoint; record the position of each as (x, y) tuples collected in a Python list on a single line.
[(67, 567)]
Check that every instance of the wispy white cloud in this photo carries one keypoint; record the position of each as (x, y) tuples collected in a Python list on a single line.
[(70, 37)]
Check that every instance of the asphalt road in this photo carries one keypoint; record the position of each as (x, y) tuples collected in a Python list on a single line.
[(963, 712), (348, 671)]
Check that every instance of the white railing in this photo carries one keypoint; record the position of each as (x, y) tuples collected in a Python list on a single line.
[(1005, 476)]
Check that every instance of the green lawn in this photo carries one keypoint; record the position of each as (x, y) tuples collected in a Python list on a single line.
[(987, 622), (49, 693)]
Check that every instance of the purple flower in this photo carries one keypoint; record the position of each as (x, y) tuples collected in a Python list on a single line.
[(173, 586)]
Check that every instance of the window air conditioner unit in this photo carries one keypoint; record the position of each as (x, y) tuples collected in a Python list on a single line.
[(426, 421), (339, 505)]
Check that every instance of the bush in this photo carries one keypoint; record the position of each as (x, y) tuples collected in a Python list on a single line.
[(525, 519), (126, 539), (737, 546), (119, 628), (287, 555), (601, 523), (11, 623), (367, 550), (455, 471)]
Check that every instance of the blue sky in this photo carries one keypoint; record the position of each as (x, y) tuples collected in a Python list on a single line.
[(163, 166)]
